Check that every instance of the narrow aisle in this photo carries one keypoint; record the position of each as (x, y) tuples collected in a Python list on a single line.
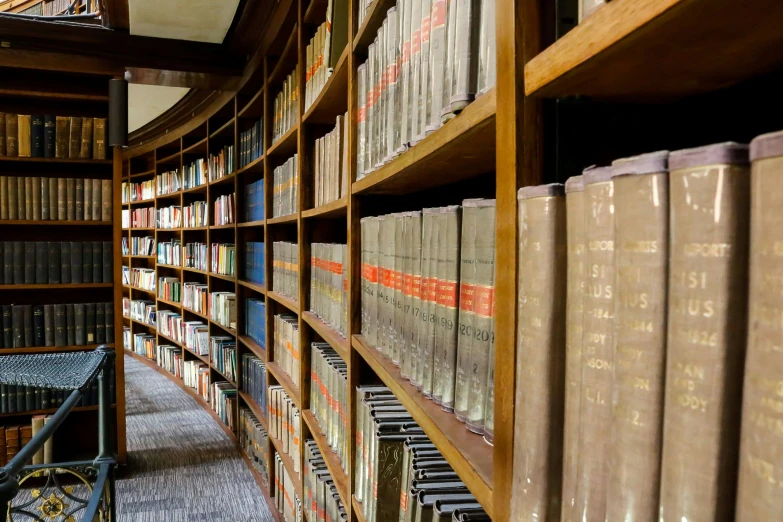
[(182, 467)]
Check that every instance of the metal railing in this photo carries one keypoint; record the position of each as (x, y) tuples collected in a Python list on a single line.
[(63, 371)]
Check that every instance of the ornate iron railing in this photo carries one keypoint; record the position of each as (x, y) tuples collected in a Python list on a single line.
[(54, 497)]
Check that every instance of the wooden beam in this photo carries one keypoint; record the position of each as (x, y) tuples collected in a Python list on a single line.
[(116, 14), (17, 6), (192, 80)]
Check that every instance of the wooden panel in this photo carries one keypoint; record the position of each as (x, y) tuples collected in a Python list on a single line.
[(333, 209), (328, 334), (657, 49), (291, 389)]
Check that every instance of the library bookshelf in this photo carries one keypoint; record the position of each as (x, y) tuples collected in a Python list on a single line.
[(77, 438)]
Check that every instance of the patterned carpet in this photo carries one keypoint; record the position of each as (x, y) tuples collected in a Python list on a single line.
[(181, 465)]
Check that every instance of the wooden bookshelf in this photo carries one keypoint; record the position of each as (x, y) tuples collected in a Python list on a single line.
[(330, 457)]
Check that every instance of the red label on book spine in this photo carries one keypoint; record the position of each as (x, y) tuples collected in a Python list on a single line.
[(416, 41), (361, 114), (407, 284), (425, 30), (439, 13), (447, 293), (466, 293), (484, 301), (432, 290), (398, 280), (416, 287)]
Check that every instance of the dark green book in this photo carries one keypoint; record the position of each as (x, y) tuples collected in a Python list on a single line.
[(87, 262), (37, 136)]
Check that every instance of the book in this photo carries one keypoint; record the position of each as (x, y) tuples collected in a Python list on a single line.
[(467, 291), (37, 136), (70, 198), (11, 135), (78, 198), (62, 199), (85, 149), (540, 371), (24, 129), (96, 205), (49, 135), (641, 206), (757, 495), (62, 140), (2, 152), (37, 425), (99, 139), (29, 262), (487, 61), (35, 186), (576, 275), (87, 198), (28, 198), (74, 137), (45, 199), (706, 330), (327, 281), (595, 415), (106, 200)]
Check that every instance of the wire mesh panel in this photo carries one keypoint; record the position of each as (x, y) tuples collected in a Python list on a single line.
[(59, 371)]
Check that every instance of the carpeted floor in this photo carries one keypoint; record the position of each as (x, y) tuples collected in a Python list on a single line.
[(181, 465)]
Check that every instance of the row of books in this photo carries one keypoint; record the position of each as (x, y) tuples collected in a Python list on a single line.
[(286, 345), (138, 246), (196, 337), (329, 398), (254, 379), (320, 492), (195, 256), (286, 106), (401, 475), (169, 323), (251, 144), (71, 324), (255, 320), (143, 278), (223, 401), (224, 210), (143, 344), (195, 374), (194, 174), (22, 399), (195, 297), (170, 359), (55, 199), (168, 183), (428, 62), (223, 355), (169, 217), (428, 302), (284, 423), (285, 188), (170, 289), (56, 262), (138, 218), (221, 164), (138, 191), (287, 502), (317, 69), (223, 258), (665, 300), (255, 260), (223, 308), (169, 252), (140, 310), (254, 440), (331, 164), (15, 437), (195, 215), (329, 284), (285, 269), (254, 201), (49, 136)]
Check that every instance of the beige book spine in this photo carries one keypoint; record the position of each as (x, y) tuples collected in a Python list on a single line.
[(467, 290), (429, 340), (399, 312), (53, 197), (709, 200), (595, 414), (422, 336), (540, 368), (374, 280), (575, 223), (384, 278), (404, 362), (761, 449), (448, 301), (364, 225), (413, 317), (641, 206), (439, 261)]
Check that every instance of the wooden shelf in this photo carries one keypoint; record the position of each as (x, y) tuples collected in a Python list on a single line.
[(200, 147), (255, 165), (169, 195), (142, 323), (232, 279), (169, 339), (256, 409), (283, 300), (51, 349), (252, 286), (329, 334), (467, 452), (50, 410), (357, 509), (220, 131), (333, 209), (333, 98), (288, 463), (291, 389), (252, 106), (373, 19), (225, 180), (222, 375), (259, 223), (142, 174), (56, 286), (168, 159), (653, 49), (188, 229), (286, 62), (140, 202), (175, 267), (56, 95), (290, 218), (227, 329), (44, 161), (333, 463), (195, 270), (186, 309), (221, 227), (46, 222), (148, 229), (315, 15), (286, 145), (137, 289), (197, 188), (254, 346), (141, 257), (202, 358), (460, 149), (170, 303)]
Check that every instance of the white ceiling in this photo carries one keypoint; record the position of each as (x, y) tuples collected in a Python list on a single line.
[(195, 20)]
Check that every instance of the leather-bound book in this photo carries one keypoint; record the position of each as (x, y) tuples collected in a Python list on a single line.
[(17, 321), (3, 245), (76, 262), (85, 151), (53, 259), (88, 199), (12, 446), (575, 224), (2, 153), (53, 195), (97, 262), (709, 200), (108, 311), (41, 263), (87, 262), (35, 196), (106, 200), (28, 198), (37, 136), (100, 323), (27, 313), (49, 325), (45, 206), (70, 198), (467, 290), (108, 262), (641, 206), (80, 324), (70, 324), (74, 137), (541, 352), (99, 139), (8, 263), (89, 323), (62, 199), (595, 414), (761, 450), (61, 137), (3, 197), (21, 192), (8, 329), (13, 212), (65, 262), (18, 262), (29, 262), (24, 124), (78, 199), (39, 326), (60, 325), (11, 135), (97, 196), (49, 135)]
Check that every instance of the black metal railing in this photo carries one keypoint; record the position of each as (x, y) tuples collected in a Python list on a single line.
[(55, 500)]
